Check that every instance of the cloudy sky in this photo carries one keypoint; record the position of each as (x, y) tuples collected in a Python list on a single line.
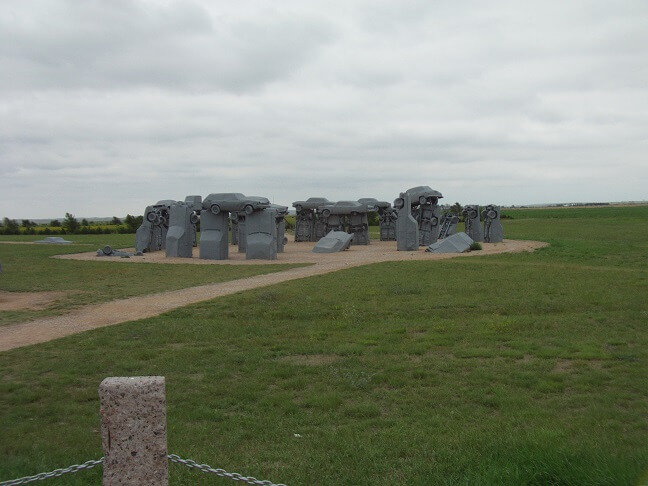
[(109, 105)]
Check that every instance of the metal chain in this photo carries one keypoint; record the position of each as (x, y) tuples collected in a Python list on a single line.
[(220, 472), (55, 473)]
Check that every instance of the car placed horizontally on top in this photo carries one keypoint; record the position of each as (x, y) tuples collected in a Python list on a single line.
[(343, 207), (234, 202)]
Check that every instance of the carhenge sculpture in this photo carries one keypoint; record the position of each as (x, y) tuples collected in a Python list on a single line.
[(350, 216), (151, 235), (386, 217), (493, 232), (214, 223), (425, 206), (472, 224), (424, 209), (309, 225), (387, 221)]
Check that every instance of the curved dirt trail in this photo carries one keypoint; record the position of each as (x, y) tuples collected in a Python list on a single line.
[(133, 308)]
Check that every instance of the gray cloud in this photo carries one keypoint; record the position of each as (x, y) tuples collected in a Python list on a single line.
[(124, 44), (107, 106)]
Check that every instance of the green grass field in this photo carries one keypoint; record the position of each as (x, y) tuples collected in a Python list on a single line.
[(503, 369), (30, 268)]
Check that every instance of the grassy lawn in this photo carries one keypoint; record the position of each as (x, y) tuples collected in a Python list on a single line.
[(30, 268), (503, 369)]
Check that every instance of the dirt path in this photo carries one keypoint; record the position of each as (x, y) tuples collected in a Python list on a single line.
[(133, 308)]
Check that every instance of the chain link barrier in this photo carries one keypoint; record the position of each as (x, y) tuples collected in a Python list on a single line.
[(172, 457), (55, 473), (220, 472)]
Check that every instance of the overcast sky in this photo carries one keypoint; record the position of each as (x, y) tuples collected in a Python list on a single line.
[(107, 106)]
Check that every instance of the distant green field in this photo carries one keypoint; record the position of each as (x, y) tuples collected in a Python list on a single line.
[(523, 368)]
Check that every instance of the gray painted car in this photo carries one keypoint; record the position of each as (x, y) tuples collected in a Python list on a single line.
[(234, 202), (311, 203), (344, 207)]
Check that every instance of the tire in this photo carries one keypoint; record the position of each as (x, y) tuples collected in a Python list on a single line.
[(399, 203), (107, 250), (422, 200), (492, 214), (248, 209), (150, 217), (326, 213), (215, 209), (434, 221), (193, 218)]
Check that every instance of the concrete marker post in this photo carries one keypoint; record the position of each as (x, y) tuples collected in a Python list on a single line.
[(134, 431)]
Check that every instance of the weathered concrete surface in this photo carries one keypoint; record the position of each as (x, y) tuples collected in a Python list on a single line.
[(133, 430)]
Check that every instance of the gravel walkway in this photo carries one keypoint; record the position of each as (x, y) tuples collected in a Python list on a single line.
[(133, 308)]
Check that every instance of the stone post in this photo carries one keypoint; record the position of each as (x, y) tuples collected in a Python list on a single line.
[(133, 430)]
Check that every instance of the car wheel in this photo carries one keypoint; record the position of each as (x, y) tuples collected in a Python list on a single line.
[(492, 214), (150, 217), (422, 200), (326, 213), (249, 209), (434, 221), (215, 209), (107, 250), (399, 203), (193, 218)]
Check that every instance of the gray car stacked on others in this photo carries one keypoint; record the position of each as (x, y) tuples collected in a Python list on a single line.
[(234, 202)]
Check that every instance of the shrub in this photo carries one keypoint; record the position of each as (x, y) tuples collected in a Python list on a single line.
[(475, 245)]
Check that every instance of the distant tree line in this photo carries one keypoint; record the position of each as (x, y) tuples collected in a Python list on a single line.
[(70, 226)]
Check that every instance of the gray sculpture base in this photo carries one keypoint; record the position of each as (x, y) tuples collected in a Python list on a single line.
[(457, 243), (281, 235), (472, 224), (429, 216), (242, 235), (261, 235), (359, 226), (407, 228), (144, 236), (213, 236), (304, 225), (333, 242), (387, 221), (179, 238), (493, 231), (319, 229)]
